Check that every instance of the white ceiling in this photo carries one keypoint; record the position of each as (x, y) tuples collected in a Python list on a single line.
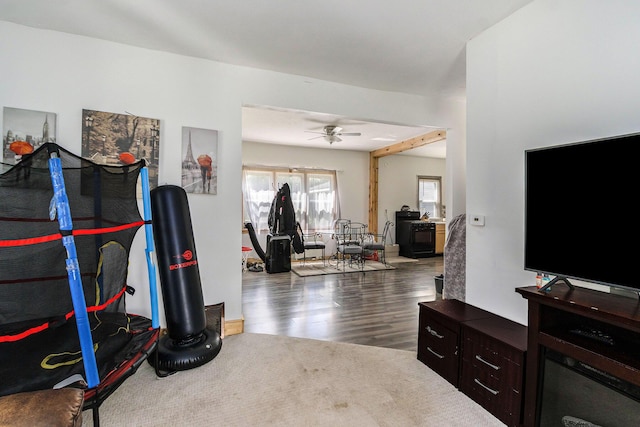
[(293, 127), (408, 46)]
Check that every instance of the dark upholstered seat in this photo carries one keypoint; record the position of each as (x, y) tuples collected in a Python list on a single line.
[(313, 241), (377, 242)]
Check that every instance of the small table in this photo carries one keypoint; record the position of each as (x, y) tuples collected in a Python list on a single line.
[(245, 255)]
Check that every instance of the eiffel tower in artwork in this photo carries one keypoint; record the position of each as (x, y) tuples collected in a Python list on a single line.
[(189, 162)]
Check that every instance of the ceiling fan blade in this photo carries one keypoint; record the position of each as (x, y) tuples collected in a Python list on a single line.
[(350, 134), (316, 137), (313, 131)]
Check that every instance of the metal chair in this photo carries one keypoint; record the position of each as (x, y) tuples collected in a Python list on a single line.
[(313, 241), (377, 242), (349, 237)]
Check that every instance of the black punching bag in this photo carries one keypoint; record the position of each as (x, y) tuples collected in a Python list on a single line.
[(188, 343)]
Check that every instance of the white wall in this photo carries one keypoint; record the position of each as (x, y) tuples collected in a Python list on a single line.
[(554, 72), (398, 183), (62, 73), (455, 189)]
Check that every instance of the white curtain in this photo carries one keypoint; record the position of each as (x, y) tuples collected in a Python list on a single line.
[(258, 191), (260, 185)]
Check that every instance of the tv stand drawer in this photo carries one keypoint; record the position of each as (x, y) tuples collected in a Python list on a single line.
[(493, 366), (438, 349), (439, 335)]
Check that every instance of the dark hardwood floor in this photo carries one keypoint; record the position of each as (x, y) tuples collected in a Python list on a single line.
[(378, 308)]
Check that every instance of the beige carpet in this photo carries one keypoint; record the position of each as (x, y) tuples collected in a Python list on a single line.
[(267, 380)]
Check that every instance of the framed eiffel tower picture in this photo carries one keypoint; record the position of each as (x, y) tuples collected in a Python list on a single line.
[(200, 160)]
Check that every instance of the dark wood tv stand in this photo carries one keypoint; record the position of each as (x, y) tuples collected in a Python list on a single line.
[(554, 318)]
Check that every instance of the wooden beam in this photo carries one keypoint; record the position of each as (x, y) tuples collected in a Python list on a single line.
[(418, 141), (373, 194)]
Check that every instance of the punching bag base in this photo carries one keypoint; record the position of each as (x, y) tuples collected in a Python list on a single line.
[(170, 356)]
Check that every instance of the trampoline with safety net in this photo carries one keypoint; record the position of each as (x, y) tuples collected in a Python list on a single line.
[(66, 229)]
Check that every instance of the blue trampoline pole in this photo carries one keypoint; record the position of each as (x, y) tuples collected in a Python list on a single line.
[(73, 270), (148, 231)]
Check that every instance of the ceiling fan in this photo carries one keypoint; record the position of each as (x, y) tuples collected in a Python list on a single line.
[(332, 134)]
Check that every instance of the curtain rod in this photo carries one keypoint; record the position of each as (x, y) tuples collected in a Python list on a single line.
[(289, 168)]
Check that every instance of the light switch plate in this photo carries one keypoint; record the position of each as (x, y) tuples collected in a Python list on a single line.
[(477, 220)]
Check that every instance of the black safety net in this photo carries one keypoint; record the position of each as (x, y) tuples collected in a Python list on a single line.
[(39, 344)]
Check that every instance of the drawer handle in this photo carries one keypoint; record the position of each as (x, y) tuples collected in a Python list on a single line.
[(490, 390), (439, 356), (434, 333), (496, 367)]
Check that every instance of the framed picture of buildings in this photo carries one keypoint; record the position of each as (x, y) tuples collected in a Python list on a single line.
[(199, 160), (120, 139), (28, 129)]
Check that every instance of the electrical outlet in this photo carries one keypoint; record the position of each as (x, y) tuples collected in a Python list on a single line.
[(477, 220)]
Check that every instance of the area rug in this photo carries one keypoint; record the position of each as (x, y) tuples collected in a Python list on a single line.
[(317, 268), (269, 380), (400, 260)]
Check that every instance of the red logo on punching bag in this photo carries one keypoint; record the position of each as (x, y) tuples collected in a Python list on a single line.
[(186, 255)]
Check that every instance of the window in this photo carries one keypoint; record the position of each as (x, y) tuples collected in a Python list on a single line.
[(313, 193), (429, 196)]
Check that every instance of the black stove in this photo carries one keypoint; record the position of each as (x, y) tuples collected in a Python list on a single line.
[(416, 238)]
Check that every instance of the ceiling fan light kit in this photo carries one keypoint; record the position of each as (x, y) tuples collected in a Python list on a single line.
[(332, 138)]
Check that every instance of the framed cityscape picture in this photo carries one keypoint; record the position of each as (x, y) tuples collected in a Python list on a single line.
[(120, 139), (199, 160), (24, 131)]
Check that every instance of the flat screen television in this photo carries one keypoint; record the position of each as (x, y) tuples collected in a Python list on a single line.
[(581, 220)]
